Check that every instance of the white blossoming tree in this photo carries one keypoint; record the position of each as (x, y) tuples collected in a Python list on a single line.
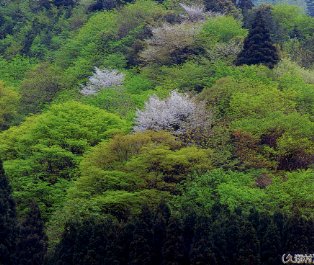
[(197, 12), (194, 12), (102, 79), (179, 114), (169, 40)]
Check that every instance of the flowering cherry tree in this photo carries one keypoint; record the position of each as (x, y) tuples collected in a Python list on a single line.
[(168, 40), (102, 79), (196, 12), (179, 114)]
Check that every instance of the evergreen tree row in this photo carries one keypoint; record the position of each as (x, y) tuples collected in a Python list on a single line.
[(20, 244), (159, 238)]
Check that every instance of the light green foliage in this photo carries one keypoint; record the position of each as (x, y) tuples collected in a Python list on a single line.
[(126, 99), (292, 18), (230, 188), (136, 165), (294, 78), (106, 40), (13, 71), (287, 68), (294, 142), (83, 52), (119, 101), (293, 123), (221, 29), (9, 100), (274, 111), (295, 32), (137, 84), (228, 80), (293, 193), (115, 61), (189, 76), (288, 193), (257, 100), (42, 154), (201, 75)]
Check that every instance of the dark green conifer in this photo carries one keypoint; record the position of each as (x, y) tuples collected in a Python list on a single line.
[(298, 236), (202, 245), (32, 241), (8, 222), (173, 248), (159, 227), (270, 244), (258, 47), (141, 249), (65, 250)]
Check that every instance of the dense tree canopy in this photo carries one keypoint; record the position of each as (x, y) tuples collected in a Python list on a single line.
[(58, 138), (156, 132)]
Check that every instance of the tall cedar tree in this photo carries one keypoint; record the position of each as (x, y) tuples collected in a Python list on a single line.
[(258, 47), (32, 241), (8, 221)]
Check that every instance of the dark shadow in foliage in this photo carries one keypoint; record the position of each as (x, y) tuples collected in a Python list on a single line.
[(106, 4), (32, 241), (64, 3), (8, 222), (296, 160)]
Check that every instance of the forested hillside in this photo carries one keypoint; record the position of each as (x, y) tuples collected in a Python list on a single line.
[(156, 132)]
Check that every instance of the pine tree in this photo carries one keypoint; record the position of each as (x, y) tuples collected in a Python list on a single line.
[(32, 241), (258, 47), (8, 222)]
